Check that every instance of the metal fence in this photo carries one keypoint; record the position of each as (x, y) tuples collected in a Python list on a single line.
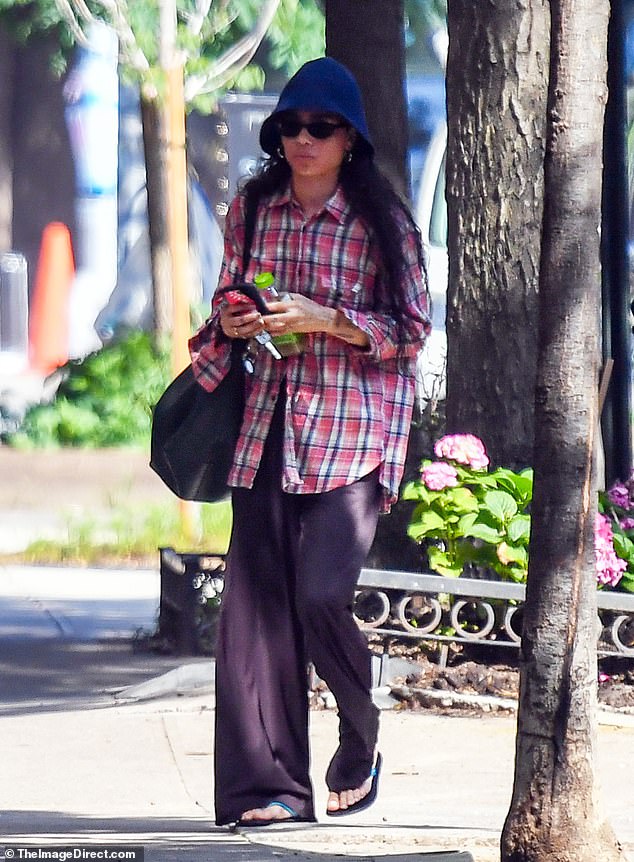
[(388, 603)]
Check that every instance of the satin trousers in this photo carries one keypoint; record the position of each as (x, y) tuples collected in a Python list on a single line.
[(292, 568)]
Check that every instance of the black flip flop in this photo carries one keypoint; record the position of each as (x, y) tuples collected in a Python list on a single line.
[(370, 796)]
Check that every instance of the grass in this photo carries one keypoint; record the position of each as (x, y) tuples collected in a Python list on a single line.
[(132, 536)]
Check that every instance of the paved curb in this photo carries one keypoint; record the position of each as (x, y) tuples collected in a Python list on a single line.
[(188, 679), (192, 680)]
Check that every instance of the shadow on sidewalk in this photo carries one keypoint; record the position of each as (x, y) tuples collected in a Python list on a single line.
[(50, 674), (169, 840)]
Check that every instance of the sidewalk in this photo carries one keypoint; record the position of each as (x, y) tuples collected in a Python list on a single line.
[(83, 764)]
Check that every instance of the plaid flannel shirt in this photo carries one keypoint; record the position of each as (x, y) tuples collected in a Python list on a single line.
[(348, 410)]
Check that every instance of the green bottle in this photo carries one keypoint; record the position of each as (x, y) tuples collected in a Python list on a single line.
[(291, 343)]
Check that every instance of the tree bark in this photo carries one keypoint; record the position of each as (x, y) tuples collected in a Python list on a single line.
[(43, 171), (497, 73), (155, 148), (368, 36), (555, 814)]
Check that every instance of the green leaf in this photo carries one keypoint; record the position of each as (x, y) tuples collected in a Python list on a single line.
[(519, 528), (520, 485), (466, 522), (485, 533), (623, 546), (440, 562), (515, 554), (462, 499), (626, 584), (427, 522), (501, 505), (477, 479), (414, 491), (411, 491)]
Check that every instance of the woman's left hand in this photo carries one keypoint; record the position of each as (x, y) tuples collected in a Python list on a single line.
[(300, 314), (297, 313)]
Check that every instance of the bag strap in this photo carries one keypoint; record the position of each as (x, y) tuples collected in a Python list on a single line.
[(250, 212)]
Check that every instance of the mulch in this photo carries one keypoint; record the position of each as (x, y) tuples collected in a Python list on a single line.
[(486, 680)]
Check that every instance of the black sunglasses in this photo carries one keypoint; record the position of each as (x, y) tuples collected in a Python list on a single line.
[(320, 129)]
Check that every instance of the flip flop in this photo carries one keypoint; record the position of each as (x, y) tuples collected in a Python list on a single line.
[(370, 796), (293, 817)]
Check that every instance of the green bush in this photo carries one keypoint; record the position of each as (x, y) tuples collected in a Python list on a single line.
[(104, 400)]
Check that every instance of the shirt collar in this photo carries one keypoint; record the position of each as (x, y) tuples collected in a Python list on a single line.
[(336, 206)]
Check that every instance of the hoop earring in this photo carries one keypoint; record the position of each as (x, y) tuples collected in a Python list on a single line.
[(279, 152), (348, 156)]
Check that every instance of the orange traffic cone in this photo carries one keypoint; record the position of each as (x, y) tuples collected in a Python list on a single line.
[(48, 320)]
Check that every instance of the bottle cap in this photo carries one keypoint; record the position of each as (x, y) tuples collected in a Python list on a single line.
[(264, 280)]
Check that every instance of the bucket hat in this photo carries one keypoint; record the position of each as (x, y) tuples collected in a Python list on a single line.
[(320, 85)]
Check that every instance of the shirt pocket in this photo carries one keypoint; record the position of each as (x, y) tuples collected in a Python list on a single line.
[(344, 290)]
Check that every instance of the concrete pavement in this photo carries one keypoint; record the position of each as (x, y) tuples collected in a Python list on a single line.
[(80, 764)]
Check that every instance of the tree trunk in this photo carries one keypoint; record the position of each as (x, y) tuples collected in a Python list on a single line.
[(555, 814), (43, 172), (155, 148), (368, 36), (497, 74)]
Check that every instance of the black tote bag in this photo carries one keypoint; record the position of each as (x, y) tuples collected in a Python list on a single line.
[(194, 433)]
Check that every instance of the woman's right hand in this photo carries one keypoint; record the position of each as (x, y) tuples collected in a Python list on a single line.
[(241, 320)]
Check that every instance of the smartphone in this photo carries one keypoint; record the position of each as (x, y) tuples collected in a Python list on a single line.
[(247, 294)]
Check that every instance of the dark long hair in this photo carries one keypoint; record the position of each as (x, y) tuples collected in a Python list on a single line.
[(372, 199)]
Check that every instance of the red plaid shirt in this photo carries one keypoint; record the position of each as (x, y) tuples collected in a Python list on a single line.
[(348, 410)]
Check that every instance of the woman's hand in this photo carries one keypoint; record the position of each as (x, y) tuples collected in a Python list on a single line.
[(241, 320), (297, 313)]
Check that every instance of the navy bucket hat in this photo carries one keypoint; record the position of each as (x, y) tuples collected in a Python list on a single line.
[(320, 85)]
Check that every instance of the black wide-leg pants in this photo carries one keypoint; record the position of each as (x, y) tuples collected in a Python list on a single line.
[(292, 568)]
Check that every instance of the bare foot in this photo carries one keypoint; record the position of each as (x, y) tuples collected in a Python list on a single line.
[(343, 800), (270, 812)]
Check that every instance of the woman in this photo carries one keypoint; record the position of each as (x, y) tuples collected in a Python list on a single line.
[(321, 448)]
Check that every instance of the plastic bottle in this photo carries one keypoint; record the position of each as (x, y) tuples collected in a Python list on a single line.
[(290, 343)]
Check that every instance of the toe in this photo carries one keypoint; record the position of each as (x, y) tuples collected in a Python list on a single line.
[(333, 803)]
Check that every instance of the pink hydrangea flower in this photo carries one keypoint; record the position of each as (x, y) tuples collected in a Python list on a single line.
[(610, 568), (439, 475), (463, 448), (619, 495), (627, 524)]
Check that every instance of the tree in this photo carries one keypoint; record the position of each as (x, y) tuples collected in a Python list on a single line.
[(497, 72), (36, 170), (218, 43), (375, 29), (214, 44), (555, 813)]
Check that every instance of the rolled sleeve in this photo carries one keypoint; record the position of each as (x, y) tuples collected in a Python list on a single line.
[(210, 353), (381, 329)]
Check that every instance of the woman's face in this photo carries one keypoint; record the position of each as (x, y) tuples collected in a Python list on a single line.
[(311, 156)]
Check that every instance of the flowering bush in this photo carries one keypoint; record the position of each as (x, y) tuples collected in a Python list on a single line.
[(616, 521), (610, 568), (469, 515), (466, 514)]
